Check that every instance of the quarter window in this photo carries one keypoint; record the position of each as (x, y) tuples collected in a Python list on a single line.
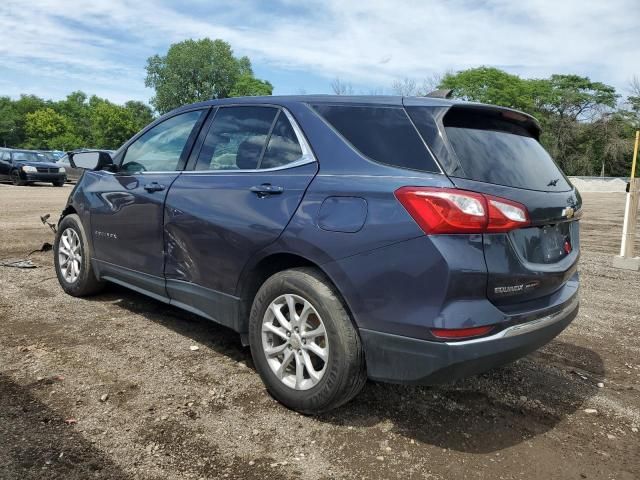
[(237, 138), (160, 149), (283, 147), (382, 133)]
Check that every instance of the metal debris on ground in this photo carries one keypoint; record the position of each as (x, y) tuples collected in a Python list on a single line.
[(26, 263), (19, 264)]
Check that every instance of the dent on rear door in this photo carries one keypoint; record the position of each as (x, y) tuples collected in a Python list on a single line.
[(214, 222)]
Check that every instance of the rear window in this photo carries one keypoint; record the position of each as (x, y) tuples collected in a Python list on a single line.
[(499, 147), (383, 134)]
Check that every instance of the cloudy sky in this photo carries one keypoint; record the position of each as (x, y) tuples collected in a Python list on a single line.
[(52, 47)]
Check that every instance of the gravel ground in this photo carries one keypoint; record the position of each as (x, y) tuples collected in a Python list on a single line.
[(109, 387)]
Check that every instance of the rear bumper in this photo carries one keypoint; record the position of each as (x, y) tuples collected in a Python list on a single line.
[(398, 359)]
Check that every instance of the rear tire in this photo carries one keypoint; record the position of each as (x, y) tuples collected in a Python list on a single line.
[(72, 259), (16, 180), (323, 384)]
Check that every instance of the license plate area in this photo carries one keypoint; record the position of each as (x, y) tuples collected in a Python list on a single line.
[(544, 245)]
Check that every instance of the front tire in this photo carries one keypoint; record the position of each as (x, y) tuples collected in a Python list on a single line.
[(16, 180), (58, 184), (72, 259), (312, 360)]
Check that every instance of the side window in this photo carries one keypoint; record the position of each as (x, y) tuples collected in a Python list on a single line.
[(384, 134), (5, 156), (160, 149), (283, 146), (236, 138)]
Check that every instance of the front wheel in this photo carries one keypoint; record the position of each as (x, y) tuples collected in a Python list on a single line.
[(16, 180), (58, 184), (303, 342), (72, 259)]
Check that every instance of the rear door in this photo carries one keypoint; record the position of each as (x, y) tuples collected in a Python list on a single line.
[(249, 171), (128, 207), (497, 152)]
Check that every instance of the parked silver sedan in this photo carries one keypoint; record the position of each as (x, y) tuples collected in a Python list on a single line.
[(73, 174)]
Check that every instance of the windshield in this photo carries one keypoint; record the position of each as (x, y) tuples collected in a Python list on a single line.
[(29, 157), (50, 156)]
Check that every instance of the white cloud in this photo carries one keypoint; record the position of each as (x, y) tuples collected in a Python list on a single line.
[(106, 42)]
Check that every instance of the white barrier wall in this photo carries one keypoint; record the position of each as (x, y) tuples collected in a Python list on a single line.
[(600, 184)]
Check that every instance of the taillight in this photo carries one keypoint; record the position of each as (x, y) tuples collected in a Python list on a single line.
[(449, 210), (460, 333)]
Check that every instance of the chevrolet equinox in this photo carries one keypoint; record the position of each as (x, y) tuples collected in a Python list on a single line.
[(408, 240)]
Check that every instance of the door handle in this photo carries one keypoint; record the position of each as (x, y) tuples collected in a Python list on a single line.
[(266, 189), (154, 187)]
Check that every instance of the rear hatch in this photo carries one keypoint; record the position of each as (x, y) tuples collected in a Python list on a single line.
[(496, 152)]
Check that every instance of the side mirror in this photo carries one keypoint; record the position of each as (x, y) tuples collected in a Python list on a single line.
[(91, 160)]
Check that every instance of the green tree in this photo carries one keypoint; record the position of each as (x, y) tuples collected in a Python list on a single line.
[(16, 112), (198, 70), (47, 129), (8, 123), (493, 86), (75, 107), (575, 113), (140, 112), (76, 121), (111, 124), (574, 97), (248, 86), (581, 128)]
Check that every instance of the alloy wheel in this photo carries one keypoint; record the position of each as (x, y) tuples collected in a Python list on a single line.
[(295, 342), (70, 255)]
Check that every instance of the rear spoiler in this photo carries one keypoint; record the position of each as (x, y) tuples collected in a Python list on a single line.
[(465, 114), (441, 93)]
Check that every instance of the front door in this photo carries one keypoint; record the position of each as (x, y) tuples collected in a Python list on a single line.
[(127, 206), (5, 165), (251, 173)]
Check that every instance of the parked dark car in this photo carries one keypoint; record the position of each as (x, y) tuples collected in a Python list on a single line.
[(74, 174), (22, 167), (409, 240)]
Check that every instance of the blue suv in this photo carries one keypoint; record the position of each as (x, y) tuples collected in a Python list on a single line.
[(408, 240)]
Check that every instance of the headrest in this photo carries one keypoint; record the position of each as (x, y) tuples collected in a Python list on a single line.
[(249, 152)]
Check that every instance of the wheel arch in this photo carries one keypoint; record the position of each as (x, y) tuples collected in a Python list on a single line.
[(68, 210), (254, 276)]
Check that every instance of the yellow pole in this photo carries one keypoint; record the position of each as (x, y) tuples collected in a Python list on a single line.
[(631, 208)]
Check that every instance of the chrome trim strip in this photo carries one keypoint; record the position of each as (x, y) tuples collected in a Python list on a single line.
[(306, 149), (304, 160), (523, 328), (301, 161)]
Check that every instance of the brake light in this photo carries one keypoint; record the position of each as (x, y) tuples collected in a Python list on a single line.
[(460, 333), (450, 210)]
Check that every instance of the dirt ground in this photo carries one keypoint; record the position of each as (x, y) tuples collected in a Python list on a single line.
[(108, 387)]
